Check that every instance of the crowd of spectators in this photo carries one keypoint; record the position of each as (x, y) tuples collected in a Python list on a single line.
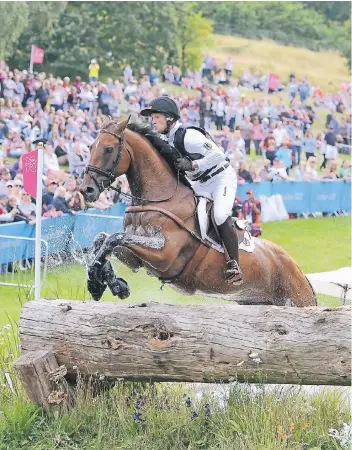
[(266, 138)]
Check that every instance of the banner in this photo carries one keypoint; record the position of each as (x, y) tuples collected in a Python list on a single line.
[(29, 170), (37, 55)]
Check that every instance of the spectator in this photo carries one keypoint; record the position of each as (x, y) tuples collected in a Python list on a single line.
[(278, 171), (48, 196), (257, 135), (73, 197), (265, 171), (17, 189), (51, 162), (270, 152), (59, 202), (330, 147), (251, 211), (309, 144), (311, 172), (26, 207), (246, 130), (345, 170), (219, 109), (93, 71), (244, 174), (5, 178), (297, 143), (284, 154), (6, 216)]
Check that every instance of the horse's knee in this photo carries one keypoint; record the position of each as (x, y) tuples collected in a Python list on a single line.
[(220, 216)]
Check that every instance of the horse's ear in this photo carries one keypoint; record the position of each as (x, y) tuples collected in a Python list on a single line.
[(128, 120)]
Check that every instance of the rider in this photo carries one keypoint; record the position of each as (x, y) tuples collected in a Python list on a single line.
[(206, 167)]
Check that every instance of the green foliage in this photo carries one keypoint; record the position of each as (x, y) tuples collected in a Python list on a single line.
[(13, 20)]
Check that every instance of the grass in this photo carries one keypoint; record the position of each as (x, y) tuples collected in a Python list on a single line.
[(255, 418), (326, 69)]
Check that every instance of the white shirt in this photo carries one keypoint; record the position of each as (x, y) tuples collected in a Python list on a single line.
[(210, 155)]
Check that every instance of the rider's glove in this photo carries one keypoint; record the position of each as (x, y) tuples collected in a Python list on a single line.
[(184, 164)]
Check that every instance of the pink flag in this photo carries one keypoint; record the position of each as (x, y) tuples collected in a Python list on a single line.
[(37, 55), (29, 171)]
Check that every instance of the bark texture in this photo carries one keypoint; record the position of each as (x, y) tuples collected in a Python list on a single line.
[(192, 343)]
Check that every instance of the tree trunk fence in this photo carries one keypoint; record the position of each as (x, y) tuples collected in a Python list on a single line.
[(158, 342)]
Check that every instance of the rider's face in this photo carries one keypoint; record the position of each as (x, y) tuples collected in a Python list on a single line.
[(159, 122)]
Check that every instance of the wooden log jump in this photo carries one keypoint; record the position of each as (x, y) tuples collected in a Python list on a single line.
[(159, 342)]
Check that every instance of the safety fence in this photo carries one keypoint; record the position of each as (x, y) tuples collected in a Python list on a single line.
[(77, 232)]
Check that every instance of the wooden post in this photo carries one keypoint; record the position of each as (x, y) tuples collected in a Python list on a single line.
[(43, 379)]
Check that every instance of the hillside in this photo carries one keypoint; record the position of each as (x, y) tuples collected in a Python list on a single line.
[(326, 69)]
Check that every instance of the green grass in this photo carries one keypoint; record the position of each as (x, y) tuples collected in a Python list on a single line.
[(272, 419), (318, 245)]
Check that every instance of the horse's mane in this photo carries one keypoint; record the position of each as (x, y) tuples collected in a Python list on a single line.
[(137, 127)]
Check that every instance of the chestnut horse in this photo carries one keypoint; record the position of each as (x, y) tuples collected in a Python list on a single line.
[(160, 229)]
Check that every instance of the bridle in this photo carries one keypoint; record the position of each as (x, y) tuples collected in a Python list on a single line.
[(109, 175)]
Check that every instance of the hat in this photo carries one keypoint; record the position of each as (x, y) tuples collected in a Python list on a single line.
[(250, 191), (9, 183), (5, 170), (37, 141)]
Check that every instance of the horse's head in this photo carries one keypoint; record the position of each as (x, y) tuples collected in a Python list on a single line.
[(109, 159)]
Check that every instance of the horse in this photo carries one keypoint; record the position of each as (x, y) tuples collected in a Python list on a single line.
[(161, 229)]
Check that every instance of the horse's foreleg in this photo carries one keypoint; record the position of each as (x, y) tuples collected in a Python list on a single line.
[(100, 271)]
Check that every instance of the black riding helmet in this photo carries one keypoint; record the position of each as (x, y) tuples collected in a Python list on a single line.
[(164, 105)]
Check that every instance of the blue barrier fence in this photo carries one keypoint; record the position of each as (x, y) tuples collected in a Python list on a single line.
[(299, 197)]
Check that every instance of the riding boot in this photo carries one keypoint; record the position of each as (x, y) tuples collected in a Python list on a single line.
[(230, 241)]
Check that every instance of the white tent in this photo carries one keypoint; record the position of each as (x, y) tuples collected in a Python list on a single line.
[(337, 283)]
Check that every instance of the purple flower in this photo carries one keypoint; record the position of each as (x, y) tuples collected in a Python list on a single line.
[(188, 402), (207, 410), (195, 415), (138, 404), (137, 416)]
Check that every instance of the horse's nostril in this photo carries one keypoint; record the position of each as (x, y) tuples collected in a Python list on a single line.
[(90, 190)]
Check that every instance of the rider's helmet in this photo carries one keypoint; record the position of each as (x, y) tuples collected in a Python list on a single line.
[(164, 105)]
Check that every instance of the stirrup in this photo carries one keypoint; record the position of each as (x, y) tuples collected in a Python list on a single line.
[(233, 272)]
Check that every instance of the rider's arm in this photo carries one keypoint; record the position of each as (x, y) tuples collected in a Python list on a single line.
[(208, 152)]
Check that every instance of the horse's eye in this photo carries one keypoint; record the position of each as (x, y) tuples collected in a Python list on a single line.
[(109, 149)]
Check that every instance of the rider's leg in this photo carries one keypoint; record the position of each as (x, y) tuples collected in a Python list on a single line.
[(223, 193)]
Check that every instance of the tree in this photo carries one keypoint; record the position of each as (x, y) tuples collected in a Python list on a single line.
[(193, 34), (13, 20)]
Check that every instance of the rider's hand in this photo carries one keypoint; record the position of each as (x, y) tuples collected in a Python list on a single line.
[(183, 164)]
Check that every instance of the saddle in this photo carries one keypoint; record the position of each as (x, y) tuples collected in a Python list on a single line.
[(208, 230)]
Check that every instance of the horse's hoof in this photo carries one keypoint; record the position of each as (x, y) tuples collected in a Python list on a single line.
[(96, 289)]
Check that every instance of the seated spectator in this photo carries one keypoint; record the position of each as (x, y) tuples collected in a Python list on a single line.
[(5, 215), (278, 171), (48, 196), (59, 202), (244, 174), (251, 212), (26, 207), (265, 172), (78, 158), (311, 172), (254, 174), (270, 152), (51, 162), (73, 197), (345, 170), (17, 189)]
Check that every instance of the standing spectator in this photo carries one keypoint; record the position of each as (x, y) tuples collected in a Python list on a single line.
[(93, 71), (127, 74), (270, 152), (304, 90), (257, 135), (297, 143), (309, 144), (228, 67), (284, 154), (330, 146), (219, 109), (246, 130), (251, 211), (280, 134)]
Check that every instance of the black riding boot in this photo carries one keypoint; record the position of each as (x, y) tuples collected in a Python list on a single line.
[(230, 241)]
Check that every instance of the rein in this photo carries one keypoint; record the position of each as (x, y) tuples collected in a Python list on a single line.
[(109, 175)]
